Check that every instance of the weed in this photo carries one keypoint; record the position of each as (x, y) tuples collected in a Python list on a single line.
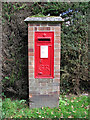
[(75, 107)]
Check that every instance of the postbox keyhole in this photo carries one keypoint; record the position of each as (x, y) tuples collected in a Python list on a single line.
[(40, 73)]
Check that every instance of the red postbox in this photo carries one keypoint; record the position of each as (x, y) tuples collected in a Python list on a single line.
[(44, 54)]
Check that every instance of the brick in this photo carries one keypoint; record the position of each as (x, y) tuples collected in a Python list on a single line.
[(31, 75), (57, 67), (43, 84), (57, 62), (57, 75), (28, 25), (43, 28), (56, 54), (48, 28), (31, 41), (57, 58), (31, 70), (35, 28), (57, 38), (57, 45), (58, 92), (44, 81), (57, 41), (44, 24), (42, 92), (31, 62), (31, 33), (51, 80), (57, 50), (49, 91), (32, 24), (57, 28), (52, 28), (31, 67), (57, 80), (37, 24), (30, 50), (30, 44), (30, 37), (56, 84), (43, 87), (31, 83), (32, 80), (34, 93), (57, 71), (30, 54), (40, 28), (57, 35), (57, 31), (30, 29), (31, 57)]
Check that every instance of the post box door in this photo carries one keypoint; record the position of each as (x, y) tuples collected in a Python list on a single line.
[(44, 56)]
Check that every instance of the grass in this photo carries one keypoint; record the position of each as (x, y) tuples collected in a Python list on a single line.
[(75, 107)]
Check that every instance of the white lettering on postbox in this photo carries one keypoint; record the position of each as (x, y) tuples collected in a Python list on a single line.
[(44, 52)]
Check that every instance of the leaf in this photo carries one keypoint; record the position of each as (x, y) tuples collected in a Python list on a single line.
[(70, 116), (72, 107), (72, 101), (7, 78), (74, 98), (22, 101)]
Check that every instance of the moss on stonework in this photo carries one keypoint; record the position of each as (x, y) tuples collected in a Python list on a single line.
[(41, 15), (38, 15)]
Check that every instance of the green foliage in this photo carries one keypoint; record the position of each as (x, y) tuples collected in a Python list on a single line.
[(7, 78), (38, 15), (9, 9), (74, 107), (74, 43), (74, 62)]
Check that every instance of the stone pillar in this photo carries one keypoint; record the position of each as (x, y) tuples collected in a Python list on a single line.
[(46, 91)]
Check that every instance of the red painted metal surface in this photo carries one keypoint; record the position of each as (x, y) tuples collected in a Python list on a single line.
[(44, 54)]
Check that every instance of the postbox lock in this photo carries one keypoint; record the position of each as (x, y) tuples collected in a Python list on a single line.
[(44, 35)]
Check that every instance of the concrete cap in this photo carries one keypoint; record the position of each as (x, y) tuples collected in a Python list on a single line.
[(44, 19)]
